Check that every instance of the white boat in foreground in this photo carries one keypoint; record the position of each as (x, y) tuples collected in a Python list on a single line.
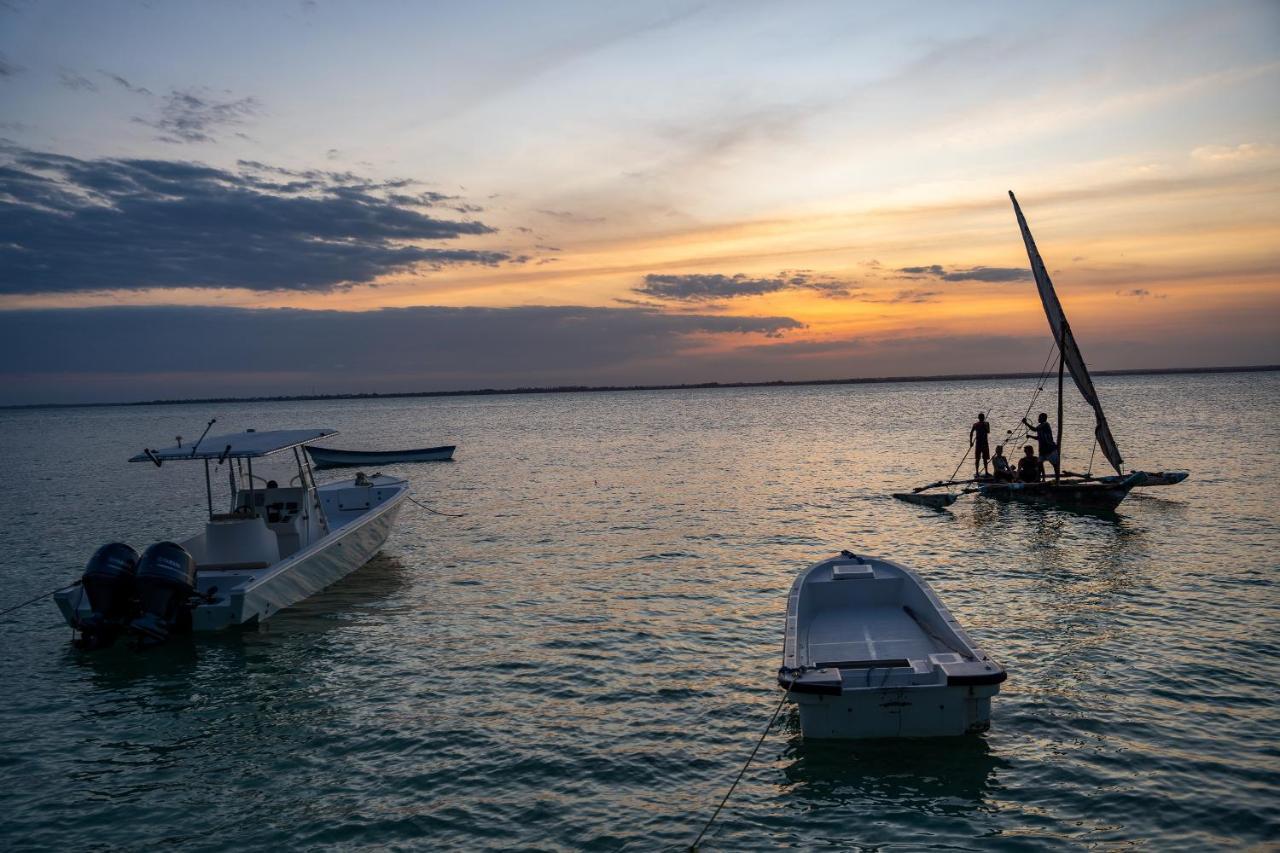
[(275, 547), (870, 652)]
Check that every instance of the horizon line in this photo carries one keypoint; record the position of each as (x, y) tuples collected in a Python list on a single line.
[(597, 389)]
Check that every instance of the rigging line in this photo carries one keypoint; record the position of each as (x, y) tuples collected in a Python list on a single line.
[(694, 846), (436, 511), (40, 597), (1044, 374)]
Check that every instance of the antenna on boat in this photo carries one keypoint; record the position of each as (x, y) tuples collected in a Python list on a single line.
[(196, 446)]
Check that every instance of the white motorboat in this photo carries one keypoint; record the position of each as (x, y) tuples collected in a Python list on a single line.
[(870, 652), (331, 457), (275, 547)]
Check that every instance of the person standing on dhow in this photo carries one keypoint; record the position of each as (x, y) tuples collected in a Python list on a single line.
[(1044, 437), (978, 441)]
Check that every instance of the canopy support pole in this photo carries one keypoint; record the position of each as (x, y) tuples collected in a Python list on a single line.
[(208, 487)]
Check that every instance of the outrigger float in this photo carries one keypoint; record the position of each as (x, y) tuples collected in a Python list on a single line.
[(1077, 491), (276, 546)]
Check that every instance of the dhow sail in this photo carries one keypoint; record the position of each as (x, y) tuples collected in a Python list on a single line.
[(1067, 343)]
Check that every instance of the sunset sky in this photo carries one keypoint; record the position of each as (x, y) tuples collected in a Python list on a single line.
[(205, 199)]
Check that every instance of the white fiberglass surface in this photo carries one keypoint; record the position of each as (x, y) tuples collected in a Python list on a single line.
[(865, 634)]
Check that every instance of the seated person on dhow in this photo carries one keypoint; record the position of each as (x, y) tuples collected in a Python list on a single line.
[(1003, 471), (1030, 468)]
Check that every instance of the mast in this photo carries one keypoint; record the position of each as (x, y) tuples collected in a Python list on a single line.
[(1062, 360)]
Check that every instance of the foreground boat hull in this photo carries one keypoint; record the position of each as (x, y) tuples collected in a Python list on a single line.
[(325, 457), (869, 651), (932, 711)]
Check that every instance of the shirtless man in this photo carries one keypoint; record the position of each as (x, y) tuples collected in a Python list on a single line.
[(978, 441)]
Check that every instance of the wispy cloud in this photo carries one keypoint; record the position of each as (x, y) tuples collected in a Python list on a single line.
[(700, 287), (1235, 153), (125, 84), (75, 82), (9, 69), (75, 225), (980, 273), (1141, 293), (192, 115)]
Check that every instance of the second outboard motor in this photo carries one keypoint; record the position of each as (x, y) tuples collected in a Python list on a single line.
[(165, 581), (108, 582)]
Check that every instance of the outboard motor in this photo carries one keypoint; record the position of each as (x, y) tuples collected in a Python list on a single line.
[(165, 580), (108, 582)]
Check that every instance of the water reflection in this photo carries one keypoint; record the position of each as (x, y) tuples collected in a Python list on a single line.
[(936, 775), (290, 636)]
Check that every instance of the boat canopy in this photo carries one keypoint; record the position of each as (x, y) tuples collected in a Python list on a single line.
[(237, 445)]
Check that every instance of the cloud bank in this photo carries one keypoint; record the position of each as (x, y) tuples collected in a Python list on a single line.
[(239, 351), (71, 225), (715, 287), (980, 273)]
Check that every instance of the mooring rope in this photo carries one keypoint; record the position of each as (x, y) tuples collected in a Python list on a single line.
[(436, 511), (694, 846), (40, 597)]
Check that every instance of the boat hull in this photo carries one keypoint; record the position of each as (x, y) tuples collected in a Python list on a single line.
[(926, 711), (869, 651), (311, 570), (315, 569), (1088, 496), (325, 457)]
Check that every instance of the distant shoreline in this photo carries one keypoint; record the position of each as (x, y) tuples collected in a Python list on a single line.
[(597, 389)]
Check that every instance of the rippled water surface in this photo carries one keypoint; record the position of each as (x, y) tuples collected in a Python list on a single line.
[(584, 660)]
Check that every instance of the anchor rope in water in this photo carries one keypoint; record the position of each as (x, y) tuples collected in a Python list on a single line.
[(694, 846), (435, 511), (40, 597)]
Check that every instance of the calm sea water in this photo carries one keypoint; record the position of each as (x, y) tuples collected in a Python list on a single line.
[(584, 660)]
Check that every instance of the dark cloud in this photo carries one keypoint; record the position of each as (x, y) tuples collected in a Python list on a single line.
[(75, 82), (410, 348), (190, 115), (914, 295), (987, 274), (700, 287), (1141, 293), (9, 69), (73, 225)]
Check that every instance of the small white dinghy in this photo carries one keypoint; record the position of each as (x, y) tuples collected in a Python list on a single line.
[(275, 547), (870, 652)]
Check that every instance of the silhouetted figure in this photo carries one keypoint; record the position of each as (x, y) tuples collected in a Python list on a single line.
[(1000, 465), (978, 441), (1030, 469), (1044, 437)]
